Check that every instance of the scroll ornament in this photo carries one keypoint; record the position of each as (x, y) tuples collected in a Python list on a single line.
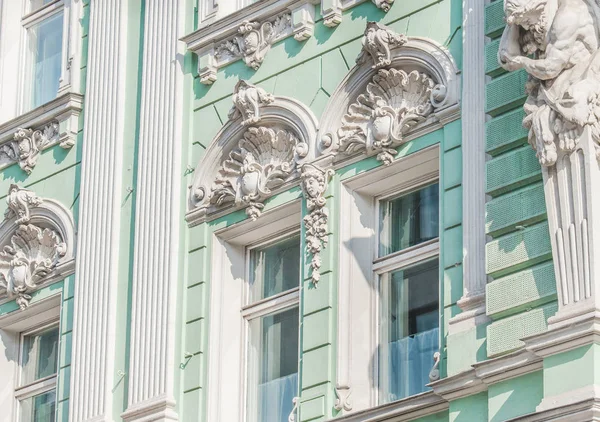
[(377, 42), (314, 185), (558, 46), (393, 103), (247, 100), (254, 41), (27, 144), (33, 251), (264, 160)]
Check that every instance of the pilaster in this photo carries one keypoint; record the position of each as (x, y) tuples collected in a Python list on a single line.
[(472, 302), (93, 373), (158, 217)]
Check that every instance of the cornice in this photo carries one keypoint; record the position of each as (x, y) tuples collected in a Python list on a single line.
[(56, 122)]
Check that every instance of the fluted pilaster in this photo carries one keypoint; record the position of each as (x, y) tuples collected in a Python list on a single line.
[(158, 218), (92, 376)]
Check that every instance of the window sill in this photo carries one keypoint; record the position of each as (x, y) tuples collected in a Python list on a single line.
[(56, 122), (406, 409)]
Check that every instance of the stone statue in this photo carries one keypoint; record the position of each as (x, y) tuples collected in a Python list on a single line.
[(564, 87)]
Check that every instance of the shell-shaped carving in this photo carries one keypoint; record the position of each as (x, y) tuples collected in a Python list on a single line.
[(393, 102), (32, 254), (264, 159)]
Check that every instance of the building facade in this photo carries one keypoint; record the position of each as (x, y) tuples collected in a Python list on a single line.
[(299, 210)]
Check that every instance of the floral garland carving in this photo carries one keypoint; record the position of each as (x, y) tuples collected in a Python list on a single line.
[(254, 41), (314, 185), (27, 144)]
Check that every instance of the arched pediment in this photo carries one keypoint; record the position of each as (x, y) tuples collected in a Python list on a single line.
[(257, 153), (400, 87), (37, 244)]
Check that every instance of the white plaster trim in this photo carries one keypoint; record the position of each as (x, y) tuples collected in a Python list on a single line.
[(411, 408), (416, 53), (63, 110), (203, 41), (582, 405), (94, 318), (158, 203), (283, 113), (38, 313), (357, 335)]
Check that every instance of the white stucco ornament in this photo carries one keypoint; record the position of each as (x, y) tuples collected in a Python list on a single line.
[(378, 40), (557, 44), (19, 202), (247, 100), (27, 144), (32, 254), (314, 185), (254, 40), (393, 102), (264, 160)]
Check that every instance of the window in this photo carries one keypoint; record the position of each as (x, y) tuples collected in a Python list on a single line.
[(37, 378), (45, 27), (272, 318), (407, 267)]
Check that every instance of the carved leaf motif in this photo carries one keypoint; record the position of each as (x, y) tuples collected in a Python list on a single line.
[(393, 103), (264, 159), (32, 254), (27, 144)]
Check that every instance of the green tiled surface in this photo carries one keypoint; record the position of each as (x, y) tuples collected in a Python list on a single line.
[(505, 335), (530, 287), (505, 132), (492, 67), (494, 18), (521, 207), (517, 250), (505, 92), (512, 170)]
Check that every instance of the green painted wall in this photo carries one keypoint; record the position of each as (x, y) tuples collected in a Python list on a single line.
[(515, 397)]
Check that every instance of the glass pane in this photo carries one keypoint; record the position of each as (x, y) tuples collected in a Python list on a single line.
[(40, 353), (273, 366), (46, 45), (275, 268), (409, 329), (41, 408), (37, 4), (409, 220)]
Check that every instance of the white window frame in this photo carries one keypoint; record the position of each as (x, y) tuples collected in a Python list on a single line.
[(229, 309), (13, 326), (29, 20), (357, 383), (263, 307), (42, 385)]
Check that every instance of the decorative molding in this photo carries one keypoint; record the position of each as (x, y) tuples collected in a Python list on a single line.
[(27, 145), (314, 185), (557, 45), (392, 103), (247, 100), (19, 202), (263, 161), (377, 42), (23, 138), (292, 416), (434, 374), (332, 10), (254, 41), (371, 112), (257, 152), (342, 401), (24, 264), (248, 34), (37, 241)]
